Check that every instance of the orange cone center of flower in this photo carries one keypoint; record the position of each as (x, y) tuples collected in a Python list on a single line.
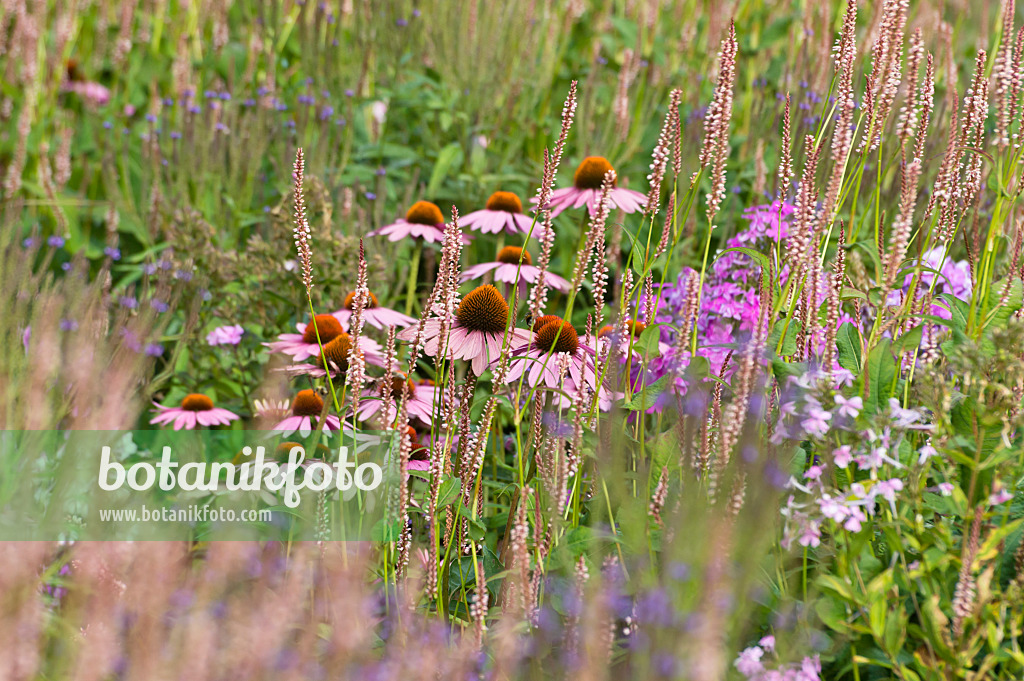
[(567, 340), (197, 402), (510, 255), (350, 301), (337, 352), (397, 383), (284, 450), (483, 309), (506, 201), (307, 403), (636, 328), (424, 213), (541, 322), (591, 172), (605, 331), (328, 326)]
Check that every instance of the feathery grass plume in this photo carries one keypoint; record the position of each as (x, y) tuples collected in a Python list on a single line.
[(904, 222), (885, 78), (658, 497), (404, 522), (786, 160), (806, 215), (303, 234), (478, 608), (387, 395), (659, 160), (907, 121), (715, 150), (966, 588), (834, 301), (925, 103), (1006, 76), (666, 230), (472, 460), (743, 382), (520, 593), (972, 135), (595, 233), (356, 374), (539, 294), (620, 106), (845, 51)]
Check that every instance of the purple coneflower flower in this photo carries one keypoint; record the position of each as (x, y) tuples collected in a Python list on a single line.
[(506, 267), (504, 211), (586, 189), (196, 409), (337, 352), (423, 221), (306, 407), (477, 333), (420, 405), (303, 345), (375, 315), (540, 359)]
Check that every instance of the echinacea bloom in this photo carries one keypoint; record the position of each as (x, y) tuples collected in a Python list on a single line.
[(504, 211), (337, 351), (423, 221), (420, 404), (306, 409), (303, 344), (196, 409), (506, 267), (375, 315), (270, 409), (586, 189), (226, 335), (477, 333), (540, 361)]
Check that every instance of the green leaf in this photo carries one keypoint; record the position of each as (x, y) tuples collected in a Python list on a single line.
[(449, 491), (848, 344), (908, 341), (784, 369), (758, 256), (791, 328), (881, 376), (647, 343), (645, 399), (445, 160)]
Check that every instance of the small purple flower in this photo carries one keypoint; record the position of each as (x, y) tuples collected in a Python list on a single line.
[(112, 253), (128, 301), (159, 305), (225, 335), (68, 325), (370, 196), (55, 241), (350, 93), (401, 22), (28, 242), (154, 349), (175, 135), (25, 336), (849, 407), (107, 125), (149, 269), (66, 266), (183, 275)]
